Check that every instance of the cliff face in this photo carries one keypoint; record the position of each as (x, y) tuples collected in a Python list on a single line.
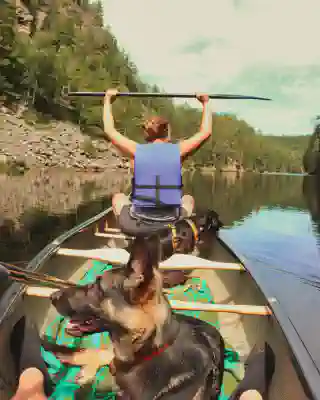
[(311, 158), (29, 17), (27, 138), (27, 145)]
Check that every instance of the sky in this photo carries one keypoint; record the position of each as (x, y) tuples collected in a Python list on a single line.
[(255, 47)]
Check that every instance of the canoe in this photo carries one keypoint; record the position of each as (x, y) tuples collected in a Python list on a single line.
[(224, 289)]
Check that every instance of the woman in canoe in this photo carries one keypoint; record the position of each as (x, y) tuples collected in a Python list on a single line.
[(157, 182)]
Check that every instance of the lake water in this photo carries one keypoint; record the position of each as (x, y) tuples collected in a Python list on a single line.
[(274, 219), (271, 218)]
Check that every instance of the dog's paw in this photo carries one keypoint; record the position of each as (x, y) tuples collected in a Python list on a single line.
[(91, 360), (86, 374), (193, 286), (79, 357), (85, 357)]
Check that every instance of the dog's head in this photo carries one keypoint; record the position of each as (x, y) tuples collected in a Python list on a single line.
[(124, 301), (208, 222)]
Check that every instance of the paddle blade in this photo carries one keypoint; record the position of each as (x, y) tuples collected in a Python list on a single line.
[(4, 273)]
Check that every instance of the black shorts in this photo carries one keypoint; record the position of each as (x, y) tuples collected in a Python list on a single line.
[(137, 226)]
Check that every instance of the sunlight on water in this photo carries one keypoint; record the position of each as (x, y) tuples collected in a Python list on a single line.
[(287, 221), (278, 237)]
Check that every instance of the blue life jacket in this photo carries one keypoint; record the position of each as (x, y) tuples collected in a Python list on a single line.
[(157, 180)]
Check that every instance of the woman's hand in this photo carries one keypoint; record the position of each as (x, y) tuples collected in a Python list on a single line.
[(203, 98), (111, 95)]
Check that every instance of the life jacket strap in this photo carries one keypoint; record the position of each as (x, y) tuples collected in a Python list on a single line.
[(174, 238), (157, 186)]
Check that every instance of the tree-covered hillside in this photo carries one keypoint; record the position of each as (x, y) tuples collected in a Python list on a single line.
[(63, 42), (311, 158)]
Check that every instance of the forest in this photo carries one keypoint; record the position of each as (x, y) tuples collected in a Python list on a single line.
[(48, 44), (311, 158)]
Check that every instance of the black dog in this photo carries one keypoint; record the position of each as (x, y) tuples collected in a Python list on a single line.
[(156, 354), (185, 234), (182, 237)]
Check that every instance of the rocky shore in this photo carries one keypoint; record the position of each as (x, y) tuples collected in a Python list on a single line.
[(57, 144)]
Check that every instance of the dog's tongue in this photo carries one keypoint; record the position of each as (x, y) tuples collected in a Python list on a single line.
[(79, 327), (74, 329)]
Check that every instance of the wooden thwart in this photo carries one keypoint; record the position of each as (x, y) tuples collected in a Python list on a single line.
[(114, 235), (111, 255), (227, 308), (190, 262), (180, 305), (176, 262), (113, 230)]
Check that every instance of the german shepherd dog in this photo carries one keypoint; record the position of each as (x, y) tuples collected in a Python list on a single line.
[(155, 353)]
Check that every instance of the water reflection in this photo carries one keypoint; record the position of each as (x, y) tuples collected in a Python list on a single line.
[(235, 198), (40, 205), (311, 192), (269, 219)]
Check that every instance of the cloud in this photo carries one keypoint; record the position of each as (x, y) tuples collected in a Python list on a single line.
[(198, 46), (256, 47)]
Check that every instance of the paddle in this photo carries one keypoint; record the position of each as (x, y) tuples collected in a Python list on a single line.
[(4, 273), (169, 95), (8, 271), (66, 92)]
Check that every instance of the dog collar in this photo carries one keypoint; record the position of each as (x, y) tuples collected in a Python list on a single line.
[(138, 359), (115, 364)]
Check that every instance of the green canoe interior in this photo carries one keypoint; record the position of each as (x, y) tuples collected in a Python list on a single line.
[(241, 332)]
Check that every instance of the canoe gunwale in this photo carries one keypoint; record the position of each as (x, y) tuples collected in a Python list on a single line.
[(304, 365)]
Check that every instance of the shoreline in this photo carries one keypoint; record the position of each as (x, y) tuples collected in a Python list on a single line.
[(26, 146)]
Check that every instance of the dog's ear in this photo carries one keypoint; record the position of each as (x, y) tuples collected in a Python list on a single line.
[(62, 300), (212, 221), (143, 260)]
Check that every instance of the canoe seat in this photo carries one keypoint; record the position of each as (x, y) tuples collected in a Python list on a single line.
[(175, 262)]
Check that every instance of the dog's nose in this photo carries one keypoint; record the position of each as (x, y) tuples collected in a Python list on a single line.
[(174, 278)]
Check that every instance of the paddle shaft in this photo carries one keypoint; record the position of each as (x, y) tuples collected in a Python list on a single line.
[(167, 95), (27, 277)]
